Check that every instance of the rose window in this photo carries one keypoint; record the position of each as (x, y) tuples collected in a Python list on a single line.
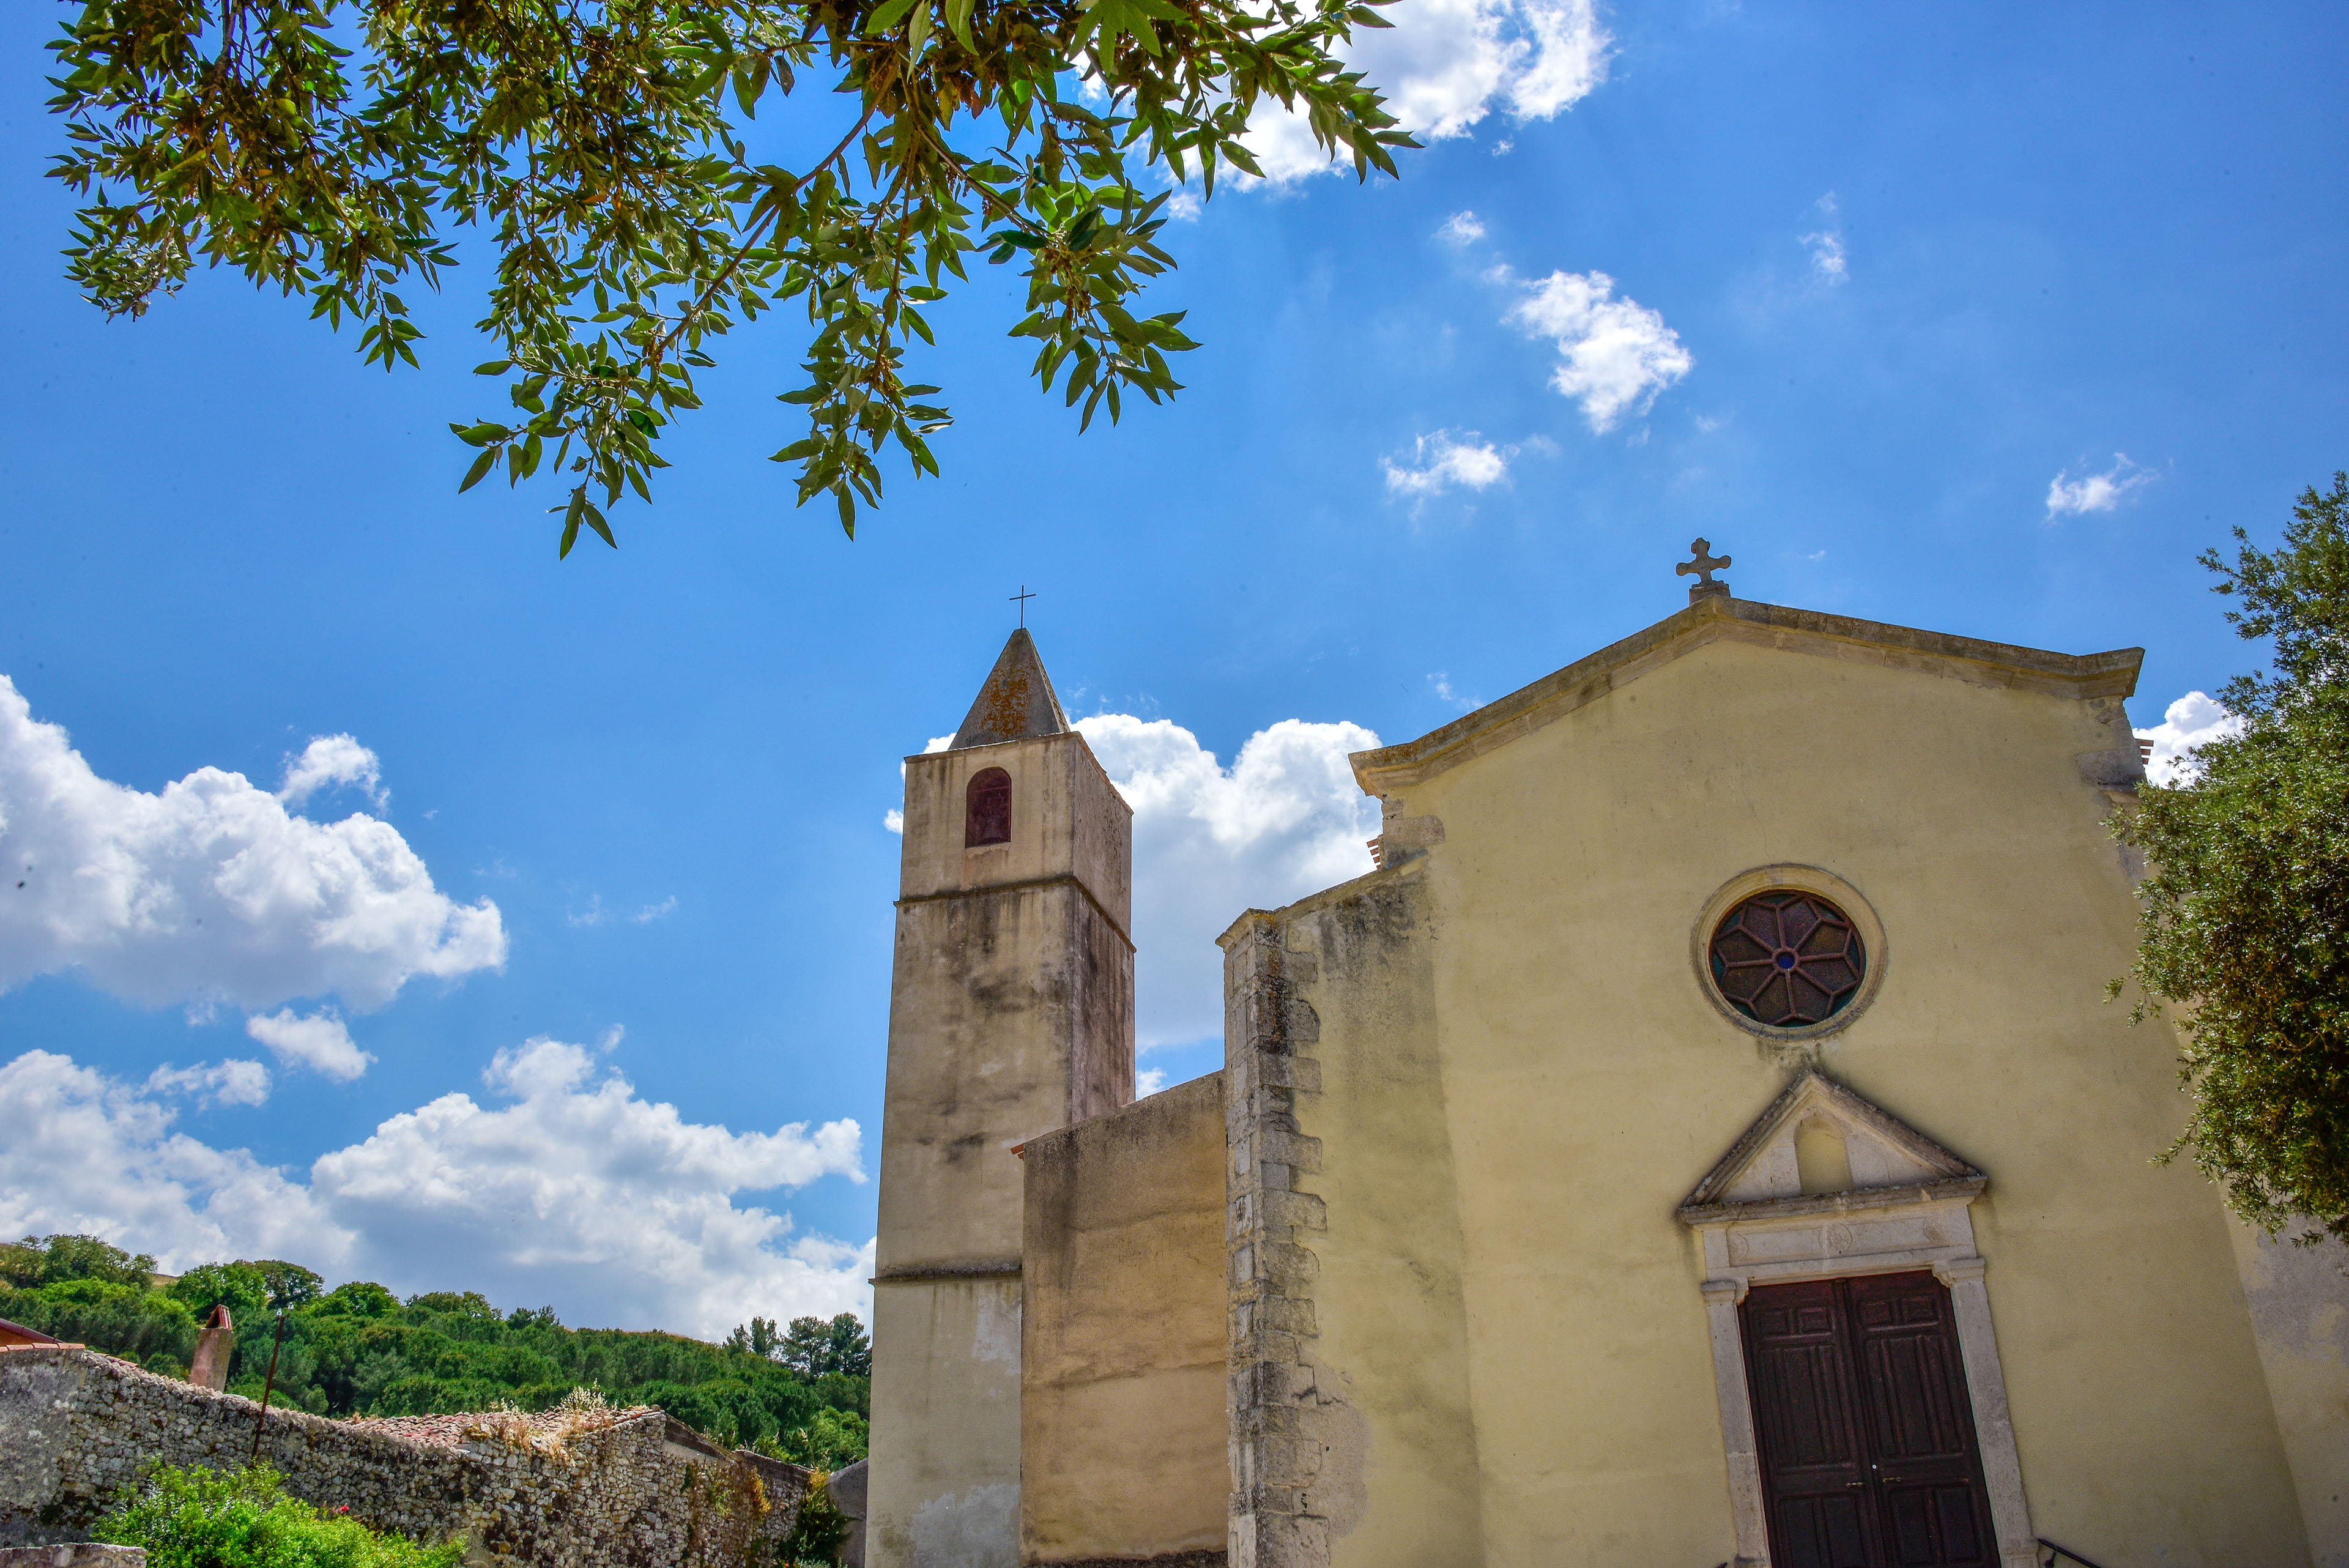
[(1787, 959)]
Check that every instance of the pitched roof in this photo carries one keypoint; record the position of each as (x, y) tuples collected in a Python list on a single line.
[(16, 1333), (1721, 619), (1018, 701)]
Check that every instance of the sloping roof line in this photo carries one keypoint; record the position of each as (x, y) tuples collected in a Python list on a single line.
[(1720, 619), (13, 1334), (1018, 702)]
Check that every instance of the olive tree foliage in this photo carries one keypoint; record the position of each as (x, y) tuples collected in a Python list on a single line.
[(2244, 921), (333, 150)]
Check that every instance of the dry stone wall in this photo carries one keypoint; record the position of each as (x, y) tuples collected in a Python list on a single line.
[(628, 1489)]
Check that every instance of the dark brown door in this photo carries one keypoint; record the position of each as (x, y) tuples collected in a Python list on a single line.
[(1867, 1437)]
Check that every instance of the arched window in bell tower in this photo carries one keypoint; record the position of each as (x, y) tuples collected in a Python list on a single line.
[(986, 809)]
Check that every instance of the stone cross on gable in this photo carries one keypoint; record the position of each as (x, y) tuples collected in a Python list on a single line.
[(1702, 568)]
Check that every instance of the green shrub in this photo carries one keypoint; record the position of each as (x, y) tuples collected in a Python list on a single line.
[(831, 1440), (816, 1536), (213, 1519)]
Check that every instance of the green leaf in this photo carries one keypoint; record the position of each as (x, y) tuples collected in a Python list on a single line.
[(571, 522), (481, 465), (595, 520)]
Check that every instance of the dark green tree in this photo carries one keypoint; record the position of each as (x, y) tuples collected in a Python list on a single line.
[(240, 1287), (602, 151), (53, 1259), (2244, 921), (290, 1284), (813, 1347), (759, 1339)]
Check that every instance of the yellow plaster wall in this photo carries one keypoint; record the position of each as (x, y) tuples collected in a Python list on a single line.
[(1388, 1397), (1122, 1404), (1577, 1084)]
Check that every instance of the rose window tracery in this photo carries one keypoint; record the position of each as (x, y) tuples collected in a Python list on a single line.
[(1788, 960)]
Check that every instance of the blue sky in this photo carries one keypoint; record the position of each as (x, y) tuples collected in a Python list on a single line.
[(1985, 327)]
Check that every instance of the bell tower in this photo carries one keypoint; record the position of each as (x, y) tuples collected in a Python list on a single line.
[(1010, 1014)]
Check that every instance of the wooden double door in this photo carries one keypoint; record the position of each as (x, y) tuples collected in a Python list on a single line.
[(1867, 1448)]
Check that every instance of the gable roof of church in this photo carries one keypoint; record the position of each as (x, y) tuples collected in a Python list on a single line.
[(1016, 704), (1721, 619)]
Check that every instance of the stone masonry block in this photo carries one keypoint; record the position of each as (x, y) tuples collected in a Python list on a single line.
[(1290, 1148), (1289, 1314), (1302, 1074), (1288, 1264), (1300, 1209)]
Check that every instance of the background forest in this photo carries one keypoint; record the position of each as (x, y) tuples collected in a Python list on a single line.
[(799, 1393)]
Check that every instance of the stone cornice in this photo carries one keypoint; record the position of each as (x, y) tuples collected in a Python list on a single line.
[(1026, 885), (1857, 1199), (1724, 619)]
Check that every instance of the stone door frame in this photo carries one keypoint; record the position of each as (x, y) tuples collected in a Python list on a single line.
[(1835, 1236)]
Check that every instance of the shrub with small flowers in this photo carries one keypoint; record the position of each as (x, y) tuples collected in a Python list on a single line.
[(197, 1518)]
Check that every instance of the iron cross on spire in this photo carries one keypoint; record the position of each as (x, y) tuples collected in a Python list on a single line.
[(1023, 596), (1702, 568)]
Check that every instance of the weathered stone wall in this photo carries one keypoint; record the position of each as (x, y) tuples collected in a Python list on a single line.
[(628, 1490)]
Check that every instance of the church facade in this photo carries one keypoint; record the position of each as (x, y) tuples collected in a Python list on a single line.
[(1702, 1139)]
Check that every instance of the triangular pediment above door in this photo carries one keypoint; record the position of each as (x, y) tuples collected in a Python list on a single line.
[(1820, 1141)]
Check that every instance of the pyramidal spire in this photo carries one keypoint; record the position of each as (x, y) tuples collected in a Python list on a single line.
[(1016, 704)]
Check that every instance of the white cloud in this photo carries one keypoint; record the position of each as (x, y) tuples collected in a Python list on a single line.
[(1149, 1080), (234, 1082), (576, 1191), (651, 912), (2095, 492), (333, 759), (1614, 355), (85, 1153), (319, 1041), (1829, 264), (581, 1188), (1461, 229), (1440, 684), (1443, 460), (1446, 64), (894, 820), (1286, 819), (211, 891), (2194, 719)]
